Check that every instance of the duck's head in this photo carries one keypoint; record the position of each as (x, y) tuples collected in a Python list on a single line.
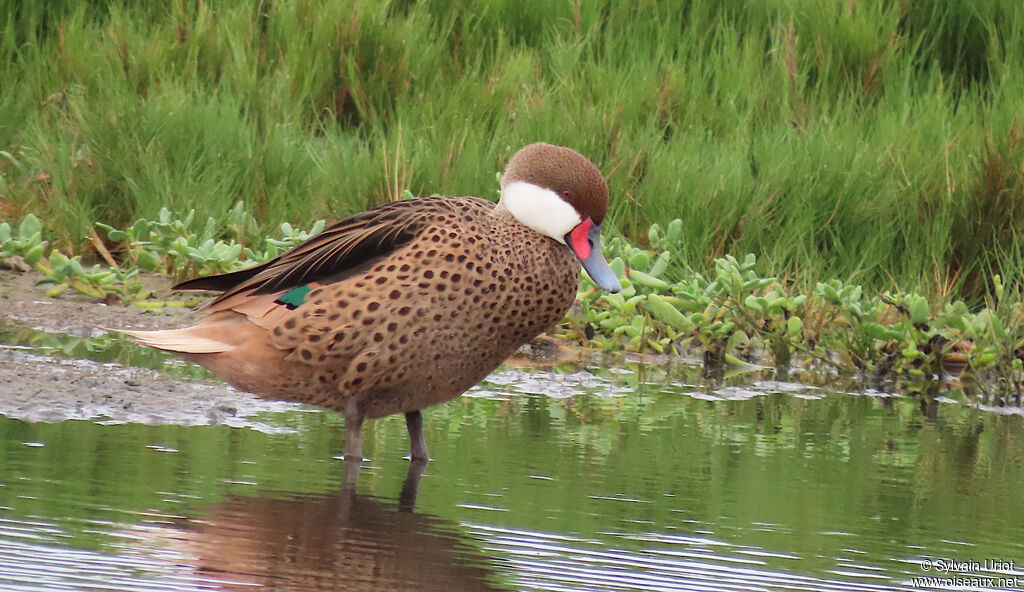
[(558, 192)]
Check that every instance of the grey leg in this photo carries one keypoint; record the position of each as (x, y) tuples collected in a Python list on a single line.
[(353, 439), (414, 421)]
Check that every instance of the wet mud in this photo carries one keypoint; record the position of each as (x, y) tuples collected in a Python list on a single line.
[(36, 387)]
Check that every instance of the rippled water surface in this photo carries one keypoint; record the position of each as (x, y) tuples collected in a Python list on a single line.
[(575, 477)]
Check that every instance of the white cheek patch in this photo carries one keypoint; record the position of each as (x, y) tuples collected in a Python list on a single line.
[(540, 209)]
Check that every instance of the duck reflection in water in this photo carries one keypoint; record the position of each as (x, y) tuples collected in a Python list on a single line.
[(338, 541)]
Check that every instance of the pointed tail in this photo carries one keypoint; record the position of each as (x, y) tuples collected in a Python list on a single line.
[(190, 340)]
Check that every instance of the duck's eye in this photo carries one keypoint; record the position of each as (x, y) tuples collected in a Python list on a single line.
[(567, 195)]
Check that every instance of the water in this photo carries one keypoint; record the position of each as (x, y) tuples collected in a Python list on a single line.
[(572, 477)]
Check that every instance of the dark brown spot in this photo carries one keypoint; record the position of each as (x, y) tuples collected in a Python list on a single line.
[(394, 295), (373, 306), (361, 367), (290, 324)]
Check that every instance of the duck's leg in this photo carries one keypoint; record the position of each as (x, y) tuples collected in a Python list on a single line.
[(418, 446), (353, 425)]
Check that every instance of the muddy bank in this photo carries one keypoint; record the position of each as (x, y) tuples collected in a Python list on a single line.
[(42, 388), (26, 303), (39, 388)]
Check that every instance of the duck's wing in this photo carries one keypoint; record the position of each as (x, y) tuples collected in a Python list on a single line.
[(330, 256)]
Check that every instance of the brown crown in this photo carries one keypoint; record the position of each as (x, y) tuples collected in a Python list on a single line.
[(566, 172)]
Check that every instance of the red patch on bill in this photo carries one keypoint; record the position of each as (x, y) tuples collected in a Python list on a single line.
[(579, 237)]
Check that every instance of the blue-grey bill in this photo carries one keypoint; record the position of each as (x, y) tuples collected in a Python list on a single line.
[(596, 266)]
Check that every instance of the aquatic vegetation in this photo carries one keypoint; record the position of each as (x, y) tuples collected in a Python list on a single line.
[(737, 315), (27, 244)]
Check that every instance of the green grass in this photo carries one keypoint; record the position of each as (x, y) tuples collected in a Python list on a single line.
[(875, 142)]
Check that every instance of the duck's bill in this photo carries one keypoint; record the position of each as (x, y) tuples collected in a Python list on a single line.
[(585, 241)]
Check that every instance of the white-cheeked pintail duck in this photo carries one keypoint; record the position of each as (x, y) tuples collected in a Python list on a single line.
[(410, 303)]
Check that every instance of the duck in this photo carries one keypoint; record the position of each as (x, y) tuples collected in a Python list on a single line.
[(407, 304)]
